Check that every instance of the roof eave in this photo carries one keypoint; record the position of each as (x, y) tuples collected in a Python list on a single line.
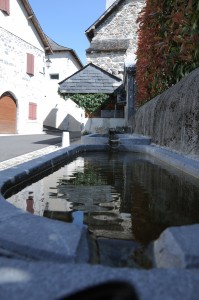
[(31, 14), (90, 31)]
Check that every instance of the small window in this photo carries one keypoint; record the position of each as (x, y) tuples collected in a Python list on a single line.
[(5, 6), (32, 111), (54, 76), (30, 64)]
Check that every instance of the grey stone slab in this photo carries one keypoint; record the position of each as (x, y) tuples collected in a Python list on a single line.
[(177, 160), (7, 210), (44, 239), (177, 247), (89, 76), (116, 253), (40, 280)]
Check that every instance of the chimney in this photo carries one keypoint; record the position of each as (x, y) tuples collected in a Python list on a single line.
[(109, 3)]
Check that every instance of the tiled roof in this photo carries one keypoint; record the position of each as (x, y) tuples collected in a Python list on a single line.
[(108, 45), (90, 31), (90, 79), (58, 48), (32, 17)]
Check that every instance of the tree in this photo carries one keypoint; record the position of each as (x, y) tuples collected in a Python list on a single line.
[(168, 45)]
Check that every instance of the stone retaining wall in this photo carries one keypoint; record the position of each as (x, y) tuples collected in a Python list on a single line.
[(172, 118)]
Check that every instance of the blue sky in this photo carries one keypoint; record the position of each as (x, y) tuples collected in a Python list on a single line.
[(65, 21)]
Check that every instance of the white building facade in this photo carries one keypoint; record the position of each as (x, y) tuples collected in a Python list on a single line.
[(60, 113), (27, 94), (22, 65)]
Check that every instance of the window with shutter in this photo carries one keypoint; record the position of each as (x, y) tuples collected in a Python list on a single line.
[(32, 111), (30, 64), (5, 6)]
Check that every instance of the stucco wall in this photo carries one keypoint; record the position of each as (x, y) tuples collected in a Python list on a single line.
[(102, 125), (66, 115), (57, 112), (172, 118), (19, 25)]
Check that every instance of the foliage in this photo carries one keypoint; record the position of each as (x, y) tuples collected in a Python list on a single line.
[(90, 177), (85, 132), (168, 45), (90, 102)]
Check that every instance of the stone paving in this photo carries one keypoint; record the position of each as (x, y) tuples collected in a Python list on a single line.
[(26, 157)]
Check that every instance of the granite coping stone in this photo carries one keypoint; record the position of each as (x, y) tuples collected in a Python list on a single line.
[(177, 247), (39, 238), (46, 280)]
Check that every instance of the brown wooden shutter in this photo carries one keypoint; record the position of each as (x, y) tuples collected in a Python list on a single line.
[(5, 6), (30, 64), (32, 111)]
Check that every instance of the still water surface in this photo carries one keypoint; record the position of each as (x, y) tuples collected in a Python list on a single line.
[(121, 196)]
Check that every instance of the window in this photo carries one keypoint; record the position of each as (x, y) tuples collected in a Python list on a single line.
[(32, 111), (5, 6), (30, 64), (54, 76)]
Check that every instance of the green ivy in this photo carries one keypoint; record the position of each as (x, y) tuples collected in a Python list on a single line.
[(90, 102)]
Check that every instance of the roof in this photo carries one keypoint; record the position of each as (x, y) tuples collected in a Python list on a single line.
[(90, 31), (37, 26), (58, 48), (108, 45), (90, 79)]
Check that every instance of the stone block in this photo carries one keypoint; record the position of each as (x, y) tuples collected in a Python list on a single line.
[(177, 247), (44, 239), (48, 281)]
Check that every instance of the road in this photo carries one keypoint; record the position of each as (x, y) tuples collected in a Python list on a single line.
[(15, 145)]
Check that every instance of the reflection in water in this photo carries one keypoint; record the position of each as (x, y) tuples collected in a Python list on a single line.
[(124, 196), (29, 204)]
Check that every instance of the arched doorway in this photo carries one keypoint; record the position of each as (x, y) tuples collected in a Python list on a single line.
[(8, 114)]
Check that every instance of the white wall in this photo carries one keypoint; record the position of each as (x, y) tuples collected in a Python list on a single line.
[(14, 79), (64, 64), (102, 125), (17, 38), (66, 116), (18, 24), (59, 113)]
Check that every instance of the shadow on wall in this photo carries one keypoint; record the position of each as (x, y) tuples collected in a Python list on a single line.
[(68, 123), (51, 118)]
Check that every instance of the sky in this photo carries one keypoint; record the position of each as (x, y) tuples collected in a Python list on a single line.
[(65, 21)]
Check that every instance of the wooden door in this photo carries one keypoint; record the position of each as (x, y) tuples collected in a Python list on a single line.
[(8, 115)]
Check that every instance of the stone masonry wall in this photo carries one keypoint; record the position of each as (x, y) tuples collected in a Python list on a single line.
[(121, 24), (172, 118), (14, 79)]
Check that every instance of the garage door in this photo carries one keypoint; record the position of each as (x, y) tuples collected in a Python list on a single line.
[(8, 112)]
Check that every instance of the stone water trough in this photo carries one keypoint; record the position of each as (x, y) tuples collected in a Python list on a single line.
[(47, 259)]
